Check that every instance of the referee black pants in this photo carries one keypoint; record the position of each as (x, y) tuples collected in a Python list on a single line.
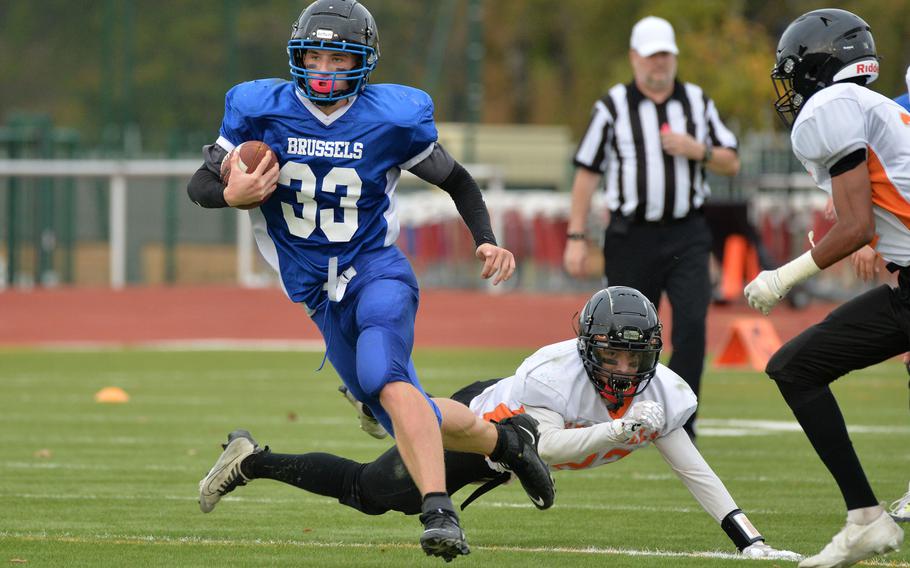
[(655, 258)]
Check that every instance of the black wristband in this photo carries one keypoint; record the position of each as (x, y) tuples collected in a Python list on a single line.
[(709, 152), (576, 236), (740, 529)]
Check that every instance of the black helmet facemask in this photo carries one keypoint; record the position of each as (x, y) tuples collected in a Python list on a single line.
[(619, 343)]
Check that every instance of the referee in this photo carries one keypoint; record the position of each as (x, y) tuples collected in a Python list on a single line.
[(653, 139)]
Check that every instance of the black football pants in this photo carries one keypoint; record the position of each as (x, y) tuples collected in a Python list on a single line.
[(868, 329)]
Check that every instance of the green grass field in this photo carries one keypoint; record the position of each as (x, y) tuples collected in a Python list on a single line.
[(88, 484)]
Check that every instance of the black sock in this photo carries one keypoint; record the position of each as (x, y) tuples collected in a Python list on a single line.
[(502, 443), (436, 501), (816, 410), (324, 474)]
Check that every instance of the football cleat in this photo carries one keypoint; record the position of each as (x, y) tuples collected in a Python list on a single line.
[(521, 458), (857, 542), (900, 509), (765, 552), (225, 475), (367, 422), (442, 535)]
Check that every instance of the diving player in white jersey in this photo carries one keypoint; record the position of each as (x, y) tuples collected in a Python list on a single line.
[(597, 397), (856, 145), (325, 219)]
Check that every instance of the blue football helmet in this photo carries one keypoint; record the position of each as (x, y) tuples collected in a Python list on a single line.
[(333, 25)]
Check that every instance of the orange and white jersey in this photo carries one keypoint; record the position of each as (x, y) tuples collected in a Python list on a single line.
[(844, 118), (552, 386)]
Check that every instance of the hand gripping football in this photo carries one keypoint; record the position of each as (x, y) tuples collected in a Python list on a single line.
[(251, 154)]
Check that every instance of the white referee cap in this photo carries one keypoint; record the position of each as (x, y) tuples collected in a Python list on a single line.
[(653, 35)]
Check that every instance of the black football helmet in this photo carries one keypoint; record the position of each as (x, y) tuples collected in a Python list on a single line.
[(619, 319), (333, 25), (816, 50)]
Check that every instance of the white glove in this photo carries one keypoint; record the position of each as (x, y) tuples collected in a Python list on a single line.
[(765, 291), (763, 551), (647, 414), (770, 286)]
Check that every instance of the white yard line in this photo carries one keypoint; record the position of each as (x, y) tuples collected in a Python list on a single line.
[(733, 427), (193, 541)]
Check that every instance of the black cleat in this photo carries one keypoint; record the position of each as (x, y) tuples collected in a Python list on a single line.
[(521, 458), (442, 535)]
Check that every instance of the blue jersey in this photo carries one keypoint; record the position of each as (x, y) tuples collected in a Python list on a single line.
[(336, 191), (903, 100)]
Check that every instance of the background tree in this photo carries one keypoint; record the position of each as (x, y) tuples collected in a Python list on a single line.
[(150, 75)]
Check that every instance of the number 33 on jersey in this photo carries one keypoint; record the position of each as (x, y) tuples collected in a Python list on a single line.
[(341, 181)]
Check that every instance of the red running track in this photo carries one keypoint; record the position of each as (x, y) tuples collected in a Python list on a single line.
[(137, 316)]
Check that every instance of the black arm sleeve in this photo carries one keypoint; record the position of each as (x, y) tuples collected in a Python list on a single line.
[(205, 187), (441, 169), (469, 202)]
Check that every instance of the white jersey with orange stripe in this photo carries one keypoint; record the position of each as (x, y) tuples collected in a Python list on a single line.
[(844, 118), (552, 385)]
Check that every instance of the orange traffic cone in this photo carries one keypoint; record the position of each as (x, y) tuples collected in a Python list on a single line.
[(752, 342), (740, 266), (112, 395)]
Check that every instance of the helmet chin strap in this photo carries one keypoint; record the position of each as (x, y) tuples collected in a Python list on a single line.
[(614, 401), (614, 406)]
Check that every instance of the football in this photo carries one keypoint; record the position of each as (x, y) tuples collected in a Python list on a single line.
[(251, 153)]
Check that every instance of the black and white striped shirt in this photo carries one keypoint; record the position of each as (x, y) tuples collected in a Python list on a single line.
[(623, 143)]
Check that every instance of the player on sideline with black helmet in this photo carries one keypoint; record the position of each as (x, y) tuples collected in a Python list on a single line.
[(856, 145), (597, 397)]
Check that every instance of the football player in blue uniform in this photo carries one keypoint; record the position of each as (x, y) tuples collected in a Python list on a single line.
[(324, 218), (904, 99)]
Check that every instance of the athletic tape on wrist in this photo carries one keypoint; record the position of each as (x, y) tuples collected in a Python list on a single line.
[(798, 270)]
